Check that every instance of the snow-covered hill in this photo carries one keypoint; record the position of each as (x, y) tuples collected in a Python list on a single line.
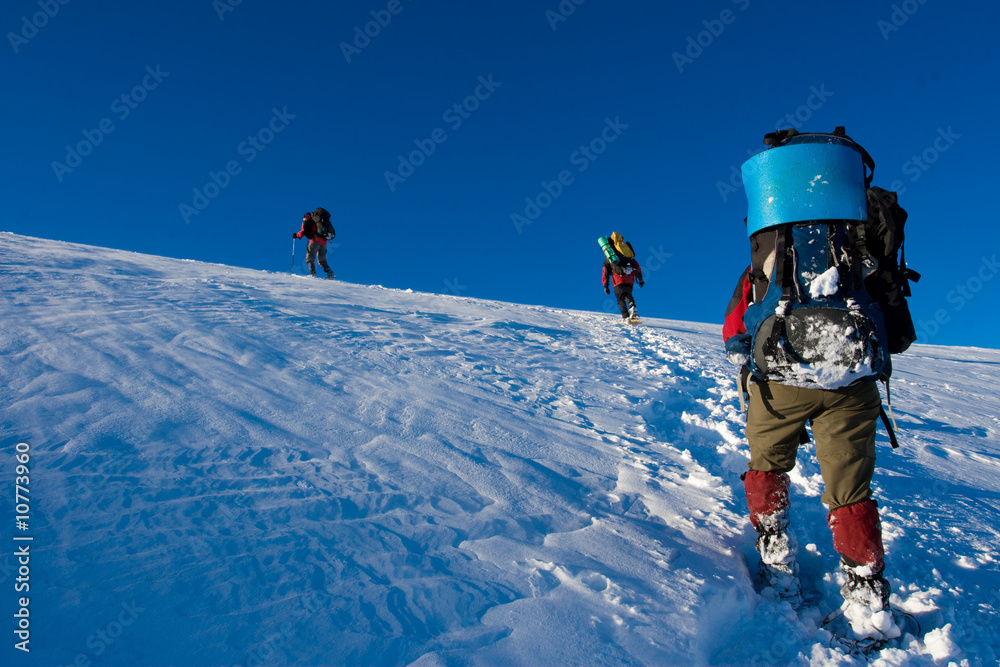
[(236, 467)]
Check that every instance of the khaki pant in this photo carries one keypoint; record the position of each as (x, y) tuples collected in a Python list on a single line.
[(314, 250), (843, 426)]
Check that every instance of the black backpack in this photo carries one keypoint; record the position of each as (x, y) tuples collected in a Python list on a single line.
[(889, 281), (830, 282), (837, 307), (624, 267), (324, 229), (879, 242)]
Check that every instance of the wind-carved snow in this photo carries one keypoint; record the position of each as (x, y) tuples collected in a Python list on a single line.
[(271, 470)]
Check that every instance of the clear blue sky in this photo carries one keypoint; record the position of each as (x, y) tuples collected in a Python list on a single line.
[(642, 109)]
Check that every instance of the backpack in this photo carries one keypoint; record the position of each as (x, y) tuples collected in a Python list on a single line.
[(623, 247), (324, 228), (828, 291), (618, 252), (889, 281)]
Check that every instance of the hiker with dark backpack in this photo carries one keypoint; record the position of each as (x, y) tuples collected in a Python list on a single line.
[(317, 228), (812, 323), (622, 269)]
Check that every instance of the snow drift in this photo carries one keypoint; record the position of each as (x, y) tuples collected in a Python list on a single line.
[(236, 467)]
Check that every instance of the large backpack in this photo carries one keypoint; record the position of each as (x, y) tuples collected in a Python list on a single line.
[(324, 227), (889, 281), (828, 285), (617, 252)]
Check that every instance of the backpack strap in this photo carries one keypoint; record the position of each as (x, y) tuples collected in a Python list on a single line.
[(848, 271), (888, 427), (784, 271), (787, 266), (887, 419), (841, 131), (870, 163), (908, 274), (783, 267), (742, 380)]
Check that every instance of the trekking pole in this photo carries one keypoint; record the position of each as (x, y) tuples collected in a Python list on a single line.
[(293, 255)]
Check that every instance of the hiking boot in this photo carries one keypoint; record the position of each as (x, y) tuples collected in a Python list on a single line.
[(866, 605), (777, 551), (857, 537), (768, 502), (864, 587)]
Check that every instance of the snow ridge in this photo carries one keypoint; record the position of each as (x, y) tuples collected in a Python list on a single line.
[(269, 470)]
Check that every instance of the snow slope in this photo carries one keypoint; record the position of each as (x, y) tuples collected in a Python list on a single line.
[(232, 467)]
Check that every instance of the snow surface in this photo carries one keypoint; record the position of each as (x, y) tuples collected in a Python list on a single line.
[(237, 467)]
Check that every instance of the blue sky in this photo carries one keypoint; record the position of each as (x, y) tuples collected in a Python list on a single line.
[(203, 130)]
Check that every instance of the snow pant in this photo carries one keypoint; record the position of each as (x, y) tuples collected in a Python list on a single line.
[(623, 293), (316, 251), (843, 426)]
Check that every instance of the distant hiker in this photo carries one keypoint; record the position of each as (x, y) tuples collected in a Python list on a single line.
[(623, 270), (808, 324), (317, 228)]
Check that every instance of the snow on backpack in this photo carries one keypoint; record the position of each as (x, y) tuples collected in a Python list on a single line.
[(324, 228), (829, 280), (618, 252)]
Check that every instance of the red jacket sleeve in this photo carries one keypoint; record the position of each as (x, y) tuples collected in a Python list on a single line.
[(733, 325), (309, 230), (605, 274)]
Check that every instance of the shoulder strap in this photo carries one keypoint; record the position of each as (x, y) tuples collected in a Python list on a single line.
[(841, 131)]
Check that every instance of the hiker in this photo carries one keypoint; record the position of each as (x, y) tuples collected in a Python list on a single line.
[(623, 276), (843, 424), (811, 343), (317, 228)]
